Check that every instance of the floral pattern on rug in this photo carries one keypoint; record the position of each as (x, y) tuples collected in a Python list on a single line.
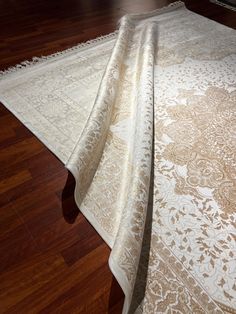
[(201, 133), (196, 165)]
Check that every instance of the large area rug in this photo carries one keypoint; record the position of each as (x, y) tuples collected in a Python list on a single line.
[(145, 119)]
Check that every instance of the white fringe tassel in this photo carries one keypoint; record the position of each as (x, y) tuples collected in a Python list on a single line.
[(39, 60)]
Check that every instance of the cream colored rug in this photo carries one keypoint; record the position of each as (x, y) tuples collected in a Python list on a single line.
[(145, 119)]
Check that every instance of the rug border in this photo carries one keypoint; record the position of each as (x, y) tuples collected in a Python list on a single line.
[(42, 60)]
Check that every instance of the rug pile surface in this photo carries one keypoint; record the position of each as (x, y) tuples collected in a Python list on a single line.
[(145, 119)]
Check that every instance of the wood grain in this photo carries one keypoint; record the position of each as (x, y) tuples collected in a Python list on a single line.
[(51, 258)]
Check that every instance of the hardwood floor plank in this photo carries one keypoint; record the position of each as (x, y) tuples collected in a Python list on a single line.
[(20, 151), (39, 185), (51, 291), (16, 246), (15, 180), (83, 293), (81, 248), (9, 220), (36, 272), (6, 133), (60, 236)]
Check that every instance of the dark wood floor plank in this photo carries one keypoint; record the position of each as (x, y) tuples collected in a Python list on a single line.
[(38, 186), (15, 247), (50, 292), (81, 248), (14, 180), (82, 294), (9, 220), (20, 151), (22, 281), (6, 133)]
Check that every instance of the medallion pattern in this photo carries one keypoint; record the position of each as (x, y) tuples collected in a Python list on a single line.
[(196, 165)]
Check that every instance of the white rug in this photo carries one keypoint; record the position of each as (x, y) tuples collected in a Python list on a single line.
[(145, 120)]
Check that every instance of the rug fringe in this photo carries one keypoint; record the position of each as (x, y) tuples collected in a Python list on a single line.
[(39, 60)]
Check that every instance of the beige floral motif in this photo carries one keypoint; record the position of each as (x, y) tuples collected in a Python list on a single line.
[(201, 150), (201, 132), (179, 112), (165, 292), (179, 154), (159, 127), (217, 95), (182, 187), (199, 103), (226, 196), (205, 173), (183, 132), (216, 50)]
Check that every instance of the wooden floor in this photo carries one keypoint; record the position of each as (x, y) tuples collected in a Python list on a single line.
[(51, 259)]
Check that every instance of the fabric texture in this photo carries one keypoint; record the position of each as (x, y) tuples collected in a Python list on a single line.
[(147, 125)]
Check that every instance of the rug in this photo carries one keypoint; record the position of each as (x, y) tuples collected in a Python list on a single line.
[(146, 124)]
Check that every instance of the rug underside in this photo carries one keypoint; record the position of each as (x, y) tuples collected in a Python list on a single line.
[(144, 118)]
